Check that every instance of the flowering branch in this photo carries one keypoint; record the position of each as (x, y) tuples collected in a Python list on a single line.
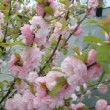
[(50, 58)]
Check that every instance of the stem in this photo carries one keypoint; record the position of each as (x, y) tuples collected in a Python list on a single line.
[(6, 29), (7, 94), (88, 66), (50, 58), (77, 27)]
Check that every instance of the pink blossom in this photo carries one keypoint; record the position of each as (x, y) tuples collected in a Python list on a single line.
[(10, 105), (56, 57), (1, 35), (40, 41), (102, 88), (16, 67), (39, 7), (43, 99), (39, 104), (54, 36), (1, 18), (41, 87), (94, 71), (89, 11), (91, 56), (53, 4), (77, 106), (101, 104), (27, 34), (40, 28), (73, 68), (32, 77), (51, 78), (77, 32), (27, 100), (93, 3), (19, 102), (21, 86), (108, 107), (31, 57)]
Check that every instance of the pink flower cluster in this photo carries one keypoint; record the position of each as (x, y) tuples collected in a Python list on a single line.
[(36, 32), (73, 68), (95, 70), (41, 100), (93, 3), (20, 65), (38, 97), (40, 6), (102, 105), (78, 106)]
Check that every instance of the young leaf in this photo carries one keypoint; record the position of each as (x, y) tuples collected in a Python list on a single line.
[(49, 10), (60, 83), (103, 57), (93, 39)]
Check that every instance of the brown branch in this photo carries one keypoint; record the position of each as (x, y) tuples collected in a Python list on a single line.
[(88, 66), (79, 23), (50, 58), (7, 94)]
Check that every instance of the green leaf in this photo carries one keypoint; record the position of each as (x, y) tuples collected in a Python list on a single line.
[(62, 108), (93, 21), (85, 108), (90, 39), (17, 56), (82, 89), (101, 77), (103, 57), (64, 24), (49, 10), (18, 81), (76, 50), (65, 51), (11, 44), (62, 1), (61, 82), (39, 1)]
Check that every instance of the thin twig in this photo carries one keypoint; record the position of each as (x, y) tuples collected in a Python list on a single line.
[(50, 58), (7, 94)]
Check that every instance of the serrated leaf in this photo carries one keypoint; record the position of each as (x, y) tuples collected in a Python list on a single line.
[(61, 82)]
